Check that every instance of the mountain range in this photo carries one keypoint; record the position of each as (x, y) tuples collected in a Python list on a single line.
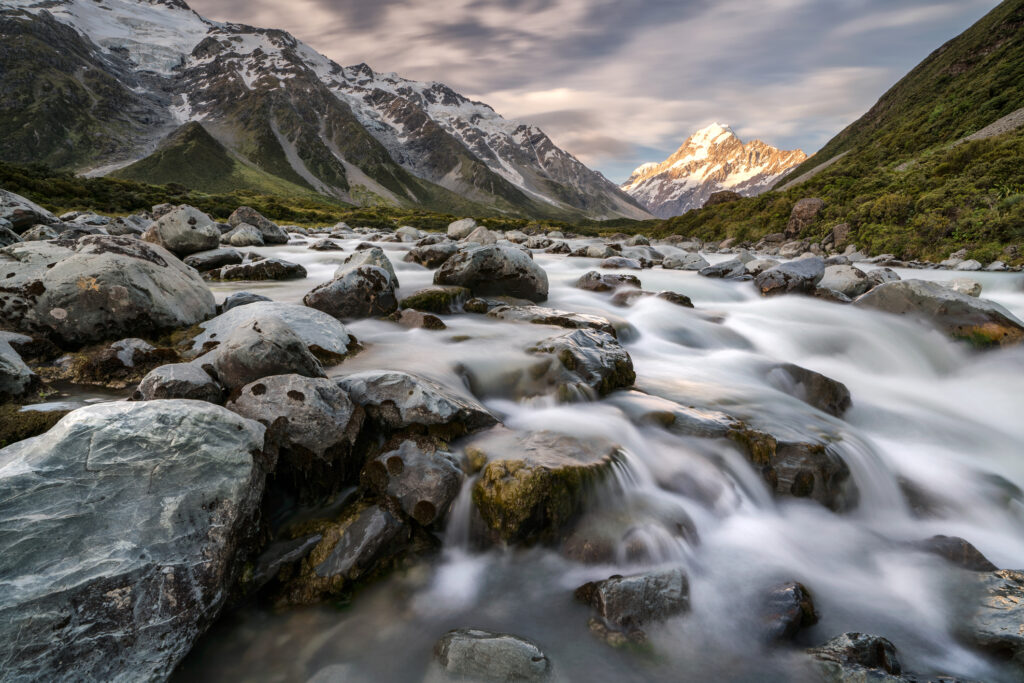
[(711, 160), (148, 90)]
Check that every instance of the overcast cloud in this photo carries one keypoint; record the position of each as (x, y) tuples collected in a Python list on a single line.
[(621, 82)]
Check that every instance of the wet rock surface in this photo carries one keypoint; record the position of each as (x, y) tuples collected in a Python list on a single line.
[(626, 605), (360, 292), (183, 231), (421, 482), (163, 518), (471, 654), (495, 271), (261, 348)]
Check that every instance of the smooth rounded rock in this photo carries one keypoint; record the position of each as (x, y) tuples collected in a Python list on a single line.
[(471, 654), (495, 271)]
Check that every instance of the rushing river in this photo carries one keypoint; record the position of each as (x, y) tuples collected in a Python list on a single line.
[(929, 415)]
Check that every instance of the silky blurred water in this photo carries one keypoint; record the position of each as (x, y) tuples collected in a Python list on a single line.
[(927, 413)]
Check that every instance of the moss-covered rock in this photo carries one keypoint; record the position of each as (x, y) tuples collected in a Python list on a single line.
[(116, 366), (17, 424), (535, 485), (438, 299)]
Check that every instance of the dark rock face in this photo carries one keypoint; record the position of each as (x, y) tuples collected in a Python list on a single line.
[(534, 485), (733, 268), (587, 362), (788, 608), (325, 245), (360, 292), (539, 315), (857, 656), (98, 288), (606, 282), (471, 654), (270, 231), (626, 604), (161, 521), (215, 258), (374, 256), (183, 231), (312, 425), (418, 320), (265, 269), (984, 324), (439, 300), (495, 270), (117, 365), (363, 542), (994, 622), (422, 483), (813, 388), (180, 380), (397, 401), (259, 349), (796, 277), (432, 255), (8, 237), (804, 213)]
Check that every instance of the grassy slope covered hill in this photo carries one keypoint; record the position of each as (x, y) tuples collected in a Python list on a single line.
[(897, 175)]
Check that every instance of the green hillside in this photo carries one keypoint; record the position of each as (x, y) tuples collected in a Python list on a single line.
[(901, 183)]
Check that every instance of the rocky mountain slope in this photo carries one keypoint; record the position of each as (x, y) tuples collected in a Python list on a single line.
[(100, 84), (711, 160), (936, 166)]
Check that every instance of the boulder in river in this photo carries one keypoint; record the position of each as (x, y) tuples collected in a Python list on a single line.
[(180, 380), (811, 387), (123, 530), (264, 269), (98, 288), (437, 299), (685, 261), (788, 609), (260, 348), (628, 297), (731, 269), (325, 336), (858, 657), (374, 256), (269, 231), (241, 299), (214, 258), (495, 270), (417, 320), (243, 235), (422, 482), (538, 315), (586, 363), (980, 322), (312, 427), (995, 615), (533, 486), (461, 228), (794, 277), (475, 655), (398, 402), (183, 231), (594, 281), (625, 605), (360, 292), (432, 255), (849, 280)]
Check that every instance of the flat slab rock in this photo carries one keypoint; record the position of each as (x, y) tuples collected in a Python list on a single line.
[(118, 534), (539, 315), (475, 655)]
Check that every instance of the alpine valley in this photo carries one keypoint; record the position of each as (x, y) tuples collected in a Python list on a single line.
[(148, 90)]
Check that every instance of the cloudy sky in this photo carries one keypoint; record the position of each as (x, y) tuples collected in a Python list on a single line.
[(621, 82)]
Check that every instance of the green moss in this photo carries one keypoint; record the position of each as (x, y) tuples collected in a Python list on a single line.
[(439, 300), (17, 425)]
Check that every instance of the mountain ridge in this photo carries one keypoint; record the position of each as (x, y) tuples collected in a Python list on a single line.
[(277, 104), (711, 160)]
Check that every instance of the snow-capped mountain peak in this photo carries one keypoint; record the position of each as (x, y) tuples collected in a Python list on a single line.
[(711, 159)]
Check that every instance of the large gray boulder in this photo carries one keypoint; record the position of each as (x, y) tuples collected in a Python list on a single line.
[(180, 380), (684, 261), (461, 228), (495, 270), (214, 258), (374, 256), (258, 349), (311, 424), (586, 363), (263, 269), (323, 334), (22, 214), (397, 401), (626, 605), (474, 655), (243, 235), (183, 231), (432, 255), (269, 231), (979, 322), (847, 280), (99, 288), (120, 537), (360, 292), (422, 482), (795, 277)]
